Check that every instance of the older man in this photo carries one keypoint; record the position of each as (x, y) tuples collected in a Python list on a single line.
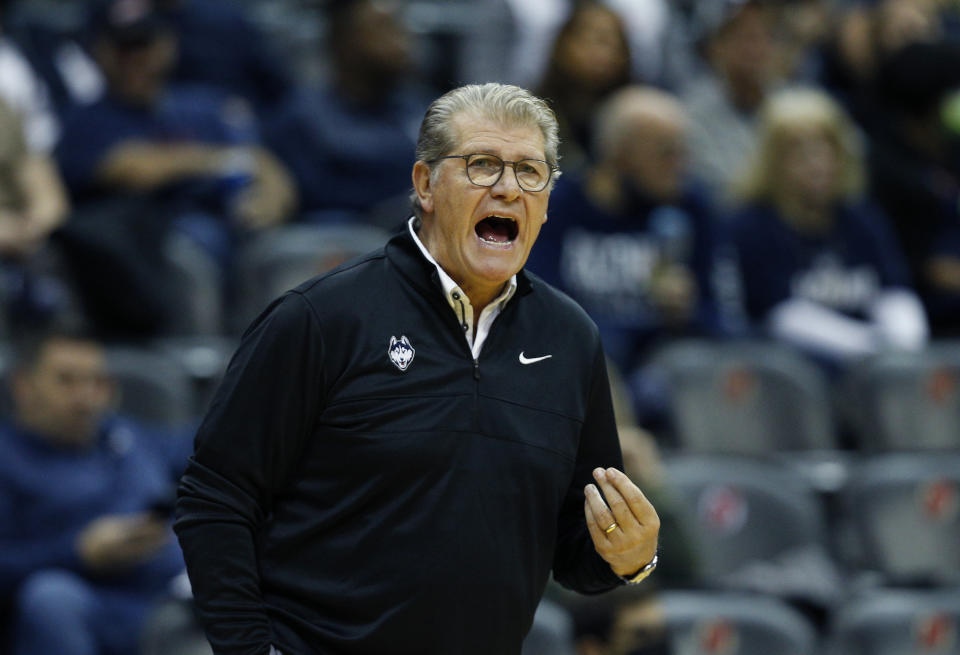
[(403, 448), (636, 239)]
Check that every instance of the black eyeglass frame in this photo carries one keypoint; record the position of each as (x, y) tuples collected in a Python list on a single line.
[(552, 168)]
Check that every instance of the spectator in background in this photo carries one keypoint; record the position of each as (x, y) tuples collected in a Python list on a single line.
[(634, 240), (623, 622), (350, 143), (150, 156), (804, 27), (537, 22), (590, 60), (821, 269), (81, 552), (33, 201), (53, 42), (218, 46), (738, 42), (915, 170), (33, 204), (864, 37), (24, 92)]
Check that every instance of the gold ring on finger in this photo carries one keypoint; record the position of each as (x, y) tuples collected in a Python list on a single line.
[(610, 528)]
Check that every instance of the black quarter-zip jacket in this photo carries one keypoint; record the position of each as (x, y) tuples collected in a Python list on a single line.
[(338, 505)]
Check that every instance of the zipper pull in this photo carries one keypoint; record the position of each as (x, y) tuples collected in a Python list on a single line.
[(476, 369)]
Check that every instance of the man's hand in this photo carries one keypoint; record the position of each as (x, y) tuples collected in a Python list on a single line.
[(271, 198), (673, 290), (111, 543), (632, 544)]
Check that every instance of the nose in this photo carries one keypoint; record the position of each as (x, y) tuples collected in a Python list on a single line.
[(507, 187)]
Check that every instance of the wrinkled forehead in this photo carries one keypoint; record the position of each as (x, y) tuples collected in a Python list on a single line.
[(471, 125)]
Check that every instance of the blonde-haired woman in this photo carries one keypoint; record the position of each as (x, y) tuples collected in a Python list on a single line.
[(821, 268)]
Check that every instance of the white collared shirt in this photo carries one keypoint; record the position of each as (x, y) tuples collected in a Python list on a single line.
[(460, 303)]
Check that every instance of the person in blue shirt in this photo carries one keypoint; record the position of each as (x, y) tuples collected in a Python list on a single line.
[(349, 142), (821, 267), (185, 145), (219, 46), (635, 240), (85, 549), (151, 159)]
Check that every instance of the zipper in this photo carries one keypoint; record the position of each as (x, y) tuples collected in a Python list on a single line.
[(476, 361), (476, 394)]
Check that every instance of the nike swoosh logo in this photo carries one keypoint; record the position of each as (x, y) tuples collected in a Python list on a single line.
[(533, 360)]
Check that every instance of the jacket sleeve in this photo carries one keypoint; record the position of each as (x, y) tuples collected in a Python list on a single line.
[(576, 564), (245, 453)]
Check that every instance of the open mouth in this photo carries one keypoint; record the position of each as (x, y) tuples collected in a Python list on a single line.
[(497, 229)]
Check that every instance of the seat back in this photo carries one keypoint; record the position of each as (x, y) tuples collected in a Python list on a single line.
[(198, 283), (757, 525), (747, 398), (702, 623), (281, 259), (153, 387), (898, 622), (905, 511), (907, 401)]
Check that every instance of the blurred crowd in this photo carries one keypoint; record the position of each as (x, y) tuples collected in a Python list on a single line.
[(759, 206)]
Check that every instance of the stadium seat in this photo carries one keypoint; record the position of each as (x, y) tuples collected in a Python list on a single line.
[(199, 286), (703, 623), (745, 398), (758, 526), (205, 358), (280, 259), (906, 401), (173, 629), (551, 632), (153, 387), (898, 622), (904, 510)]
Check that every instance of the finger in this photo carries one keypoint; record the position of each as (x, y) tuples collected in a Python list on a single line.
[(640, 508), (618, 505), (596, 532), (602, 516)]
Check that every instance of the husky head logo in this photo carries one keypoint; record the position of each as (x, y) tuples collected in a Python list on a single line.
[(401, 352)]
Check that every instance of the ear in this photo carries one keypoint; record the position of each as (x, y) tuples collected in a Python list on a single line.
[(422, 187), (406, 341), (393, 340)]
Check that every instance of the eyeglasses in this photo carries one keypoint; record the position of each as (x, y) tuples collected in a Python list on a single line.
[(486, 170)]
